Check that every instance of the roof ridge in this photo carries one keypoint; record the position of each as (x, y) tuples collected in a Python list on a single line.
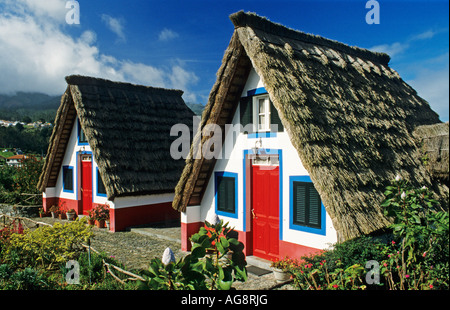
[(253, 20), (89, 80)]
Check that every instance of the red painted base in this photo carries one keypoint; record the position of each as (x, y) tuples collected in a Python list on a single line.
[(122, 218), (187, 230), (288, 249), (132, 216)]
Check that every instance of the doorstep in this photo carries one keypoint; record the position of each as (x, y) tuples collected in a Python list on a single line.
[(258, 262)]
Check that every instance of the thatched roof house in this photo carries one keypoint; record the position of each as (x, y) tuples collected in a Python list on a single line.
[(127, 131), (348, 115), (434, 144)]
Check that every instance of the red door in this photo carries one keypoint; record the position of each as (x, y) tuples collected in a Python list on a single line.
[(265, 211), (86, 183)]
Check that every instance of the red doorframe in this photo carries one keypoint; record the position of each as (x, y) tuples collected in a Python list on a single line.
[(86, 183), (265, 211)]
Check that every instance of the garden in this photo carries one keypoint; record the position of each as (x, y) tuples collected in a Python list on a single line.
[(413, 254)]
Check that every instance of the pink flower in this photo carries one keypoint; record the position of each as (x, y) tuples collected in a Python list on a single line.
[(406, 276), (431, 285), (335, 286), (424, 254), (385, 264), (393, 242)]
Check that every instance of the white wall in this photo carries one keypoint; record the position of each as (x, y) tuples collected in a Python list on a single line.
[(235, 144), (71, 159)]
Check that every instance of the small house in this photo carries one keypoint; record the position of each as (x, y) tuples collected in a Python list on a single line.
[(15, 160), (111, 145), (312, 131)]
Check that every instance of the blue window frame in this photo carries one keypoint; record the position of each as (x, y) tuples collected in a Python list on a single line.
[(226, 194), (307, 212), (249, 115), (68, 179), (101, 190)]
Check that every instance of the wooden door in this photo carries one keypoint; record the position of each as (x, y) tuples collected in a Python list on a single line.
[(86, 183), (265, 211)]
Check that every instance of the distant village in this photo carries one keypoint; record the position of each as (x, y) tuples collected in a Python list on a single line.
[(36, 124)]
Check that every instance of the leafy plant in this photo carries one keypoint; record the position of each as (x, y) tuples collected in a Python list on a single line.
[(418, 258), (215, 262), (285, 264), (100, 212), (50, 245), (414, 256)]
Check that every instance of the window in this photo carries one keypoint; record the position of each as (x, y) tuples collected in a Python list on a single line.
[(101, 190), (82, 140), (260, 113), (68, 179), (226, 193), (307, 212)]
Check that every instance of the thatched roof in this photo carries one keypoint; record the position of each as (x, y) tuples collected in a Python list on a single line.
[(128, 129), (349, 116), (434, 140)]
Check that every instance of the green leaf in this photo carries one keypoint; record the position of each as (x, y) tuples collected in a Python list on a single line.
[(225, 243), (198, 251), (220, 248)]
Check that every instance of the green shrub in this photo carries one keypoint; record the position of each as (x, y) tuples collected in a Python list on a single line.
[(48, 246), (414, 256), (418, 258)]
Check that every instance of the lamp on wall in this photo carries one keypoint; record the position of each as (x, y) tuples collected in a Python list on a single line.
[(259, 151)]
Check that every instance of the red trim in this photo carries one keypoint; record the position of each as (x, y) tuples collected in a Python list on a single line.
[(125, 217), (65, 204), (289, 249), (294, 250), (187, 230), (122, 218)]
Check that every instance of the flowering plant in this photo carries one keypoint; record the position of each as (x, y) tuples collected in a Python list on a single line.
[(284, 264), (100, 212)]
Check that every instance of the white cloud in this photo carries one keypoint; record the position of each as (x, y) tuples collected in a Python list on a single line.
[(429, 76), (433, 86), (115, 25), (391, 49), (36, 54), (167, 34)]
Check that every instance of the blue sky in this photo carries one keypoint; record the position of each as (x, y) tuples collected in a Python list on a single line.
[(180, 43)]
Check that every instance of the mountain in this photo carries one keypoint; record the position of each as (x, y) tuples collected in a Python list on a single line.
[(32, 101), (41, 106)]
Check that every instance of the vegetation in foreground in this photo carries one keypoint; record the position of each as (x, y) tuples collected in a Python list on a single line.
[(415, 256)]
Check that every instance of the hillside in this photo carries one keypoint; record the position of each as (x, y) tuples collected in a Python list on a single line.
[(41, 106)]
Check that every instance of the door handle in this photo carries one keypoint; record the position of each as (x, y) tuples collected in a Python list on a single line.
[(253, 214)]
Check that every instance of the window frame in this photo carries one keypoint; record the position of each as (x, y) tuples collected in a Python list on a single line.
[(98, 182), (256, 113), (321, 230), (218, 175), (65, 169)]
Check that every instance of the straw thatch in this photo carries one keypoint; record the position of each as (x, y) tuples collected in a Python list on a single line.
[(128, 129), (434, 141), (349, 116)]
